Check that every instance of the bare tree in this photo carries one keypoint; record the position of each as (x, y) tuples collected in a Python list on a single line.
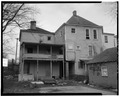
[(14, 15), (111, 9)]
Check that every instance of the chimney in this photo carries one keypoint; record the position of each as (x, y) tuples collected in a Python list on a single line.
[(74, 12), (33, 25)]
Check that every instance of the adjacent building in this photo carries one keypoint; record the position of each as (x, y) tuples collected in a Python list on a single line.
[(103, 69), (109, 40)]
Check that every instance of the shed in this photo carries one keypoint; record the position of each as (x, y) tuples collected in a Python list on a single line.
[(103, 69)]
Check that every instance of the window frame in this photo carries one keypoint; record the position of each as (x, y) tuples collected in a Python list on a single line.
[(94, 34), (106, 37), (104, 71), (90, 50), (49, 38), (87, 36), (72, 30)]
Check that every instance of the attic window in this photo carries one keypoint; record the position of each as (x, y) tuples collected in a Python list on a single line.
[(87, 34), (72, 30), (49, 38)]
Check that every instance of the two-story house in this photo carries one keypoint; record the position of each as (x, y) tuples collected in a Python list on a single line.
[(82, 39), (40, 56)]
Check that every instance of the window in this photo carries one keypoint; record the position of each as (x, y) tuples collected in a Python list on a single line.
[(72, 30), (61, 33), (95, 34), (78, 47), (87, 34), (29, 50), (106, 39), (104, 71), (90, 50), (81, 64), (49, 38)]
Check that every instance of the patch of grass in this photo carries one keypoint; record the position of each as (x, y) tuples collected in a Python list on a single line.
[(13, 86)]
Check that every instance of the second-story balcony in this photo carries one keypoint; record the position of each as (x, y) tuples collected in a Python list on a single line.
[(43, 56), (43, 52)]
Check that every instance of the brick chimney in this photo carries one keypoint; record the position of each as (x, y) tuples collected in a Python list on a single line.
[(33, 25), (74, 12)]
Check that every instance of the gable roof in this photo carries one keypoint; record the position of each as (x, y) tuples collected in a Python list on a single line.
[(109, 55), (37, 30), (77, 20)]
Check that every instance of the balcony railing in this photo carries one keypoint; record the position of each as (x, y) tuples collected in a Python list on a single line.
[(42, 56)]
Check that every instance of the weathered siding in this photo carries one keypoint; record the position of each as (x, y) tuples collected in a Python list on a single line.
[(59, 36), (35, 38), (106, 81)]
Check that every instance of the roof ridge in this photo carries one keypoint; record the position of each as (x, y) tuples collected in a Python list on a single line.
[(76, 19)]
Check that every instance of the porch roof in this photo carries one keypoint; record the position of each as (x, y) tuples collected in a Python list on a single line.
[(44, 44)]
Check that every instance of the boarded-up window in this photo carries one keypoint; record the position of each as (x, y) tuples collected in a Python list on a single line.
[(90, 50), (104, 71)]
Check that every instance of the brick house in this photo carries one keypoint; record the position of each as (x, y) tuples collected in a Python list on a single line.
[(103, 69)]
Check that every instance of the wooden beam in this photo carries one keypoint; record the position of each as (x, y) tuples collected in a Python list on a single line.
[(63, 62), (51, 69), (37, 68), (22, 70), (51, 62)]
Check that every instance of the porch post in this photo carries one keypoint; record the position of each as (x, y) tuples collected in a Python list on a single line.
[(37, 70), (22, 70), (63, 63), (51, 69), (67, 70), (37, 49), (63, 71), (51, 62)]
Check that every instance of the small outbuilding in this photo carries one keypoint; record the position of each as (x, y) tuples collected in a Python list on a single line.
[(103, 69)]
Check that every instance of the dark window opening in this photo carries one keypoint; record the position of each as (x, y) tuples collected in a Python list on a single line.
[(81, 64), (28, 69), (106, 39), (87, 34), (73, 30), (29, 50), (95, 34), (49, 38), (60, 51)]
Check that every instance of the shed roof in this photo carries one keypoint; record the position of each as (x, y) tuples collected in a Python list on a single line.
[(108, 55)]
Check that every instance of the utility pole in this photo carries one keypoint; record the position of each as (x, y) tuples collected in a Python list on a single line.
[(16, 50)]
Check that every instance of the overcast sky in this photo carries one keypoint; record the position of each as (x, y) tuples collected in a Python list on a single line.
[(52, 16)]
